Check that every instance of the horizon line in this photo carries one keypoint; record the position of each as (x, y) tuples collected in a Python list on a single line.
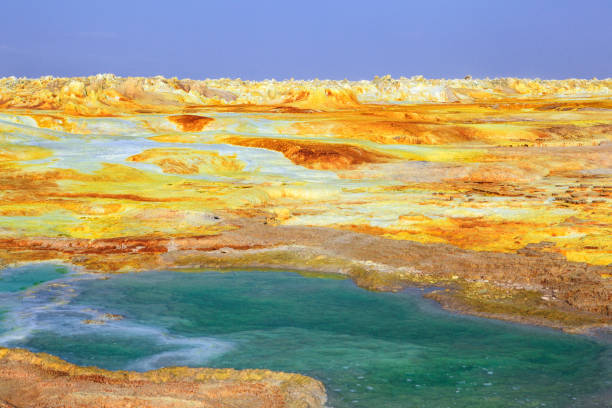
[(376, 77)]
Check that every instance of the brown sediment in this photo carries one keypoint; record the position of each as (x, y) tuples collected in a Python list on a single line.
[(190, 123), (40, 380), (117, 245), (577, 293), (316, 155)]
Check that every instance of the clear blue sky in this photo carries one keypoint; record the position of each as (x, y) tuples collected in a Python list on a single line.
[(307, 39)]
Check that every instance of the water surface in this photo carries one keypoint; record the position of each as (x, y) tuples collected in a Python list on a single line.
[(370, 349)]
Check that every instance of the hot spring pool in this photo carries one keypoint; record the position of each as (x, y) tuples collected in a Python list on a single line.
[(369, 349)]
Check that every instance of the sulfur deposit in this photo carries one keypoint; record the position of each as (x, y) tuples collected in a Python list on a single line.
[(490, 166), (499, 190)]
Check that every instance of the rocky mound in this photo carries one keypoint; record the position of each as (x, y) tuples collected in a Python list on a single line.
[(41, 380)]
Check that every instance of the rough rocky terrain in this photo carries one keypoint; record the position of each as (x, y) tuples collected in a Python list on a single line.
[(29, 380), (498, 191)]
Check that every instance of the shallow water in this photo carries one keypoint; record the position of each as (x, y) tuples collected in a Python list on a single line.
[(25, 277), (370, 349)]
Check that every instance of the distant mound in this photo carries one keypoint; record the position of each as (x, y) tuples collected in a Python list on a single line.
[(107, 94)]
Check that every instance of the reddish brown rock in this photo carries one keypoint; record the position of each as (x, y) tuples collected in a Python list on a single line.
[(316, 155), (190, 123), (29, 380)]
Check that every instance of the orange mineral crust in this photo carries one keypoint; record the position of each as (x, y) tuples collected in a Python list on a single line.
[(315, 155), (502, 182), (190, 123), (37, 380)]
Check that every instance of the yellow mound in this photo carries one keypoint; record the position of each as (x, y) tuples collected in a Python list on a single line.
[(188, 161)]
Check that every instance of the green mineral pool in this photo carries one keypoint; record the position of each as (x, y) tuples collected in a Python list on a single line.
[(369, 349)]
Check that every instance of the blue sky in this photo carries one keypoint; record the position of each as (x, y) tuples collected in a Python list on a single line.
[(307, 39)]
